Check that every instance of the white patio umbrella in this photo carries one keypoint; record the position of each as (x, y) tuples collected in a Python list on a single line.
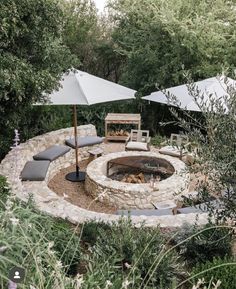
[(81, 88), (214, 86)]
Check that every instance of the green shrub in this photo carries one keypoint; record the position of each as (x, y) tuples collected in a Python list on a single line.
[(66, 243), (157, 140), (47, 248), (4, 192), (128, 253), (209, 241), (91, 231), (225, 273)]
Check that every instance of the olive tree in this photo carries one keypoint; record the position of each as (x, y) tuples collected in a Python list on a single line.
[(212, 133)]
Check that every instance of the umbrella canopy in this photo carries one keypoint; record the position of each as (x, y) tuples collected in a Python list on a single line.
[(212, 87), (81, 88), (78, 87)]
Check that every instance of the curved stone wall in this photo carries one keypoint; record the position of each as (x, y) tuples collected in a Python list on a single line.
[(49, 202), (12, 165), (132, 196)]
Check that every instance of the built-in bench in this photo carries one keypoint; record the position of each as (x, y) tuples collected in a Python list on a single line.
[(189, 210), (144, 212), (198, 209), (47, 147), (37, 170)]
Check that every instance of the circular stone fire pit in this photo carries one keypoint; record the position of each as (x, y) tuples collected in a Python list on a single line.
[(139, 169), (106, 181)]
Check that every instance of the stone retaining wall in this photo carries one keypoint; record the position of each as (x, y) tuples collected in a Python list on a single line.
[(49, 202), (12, 165)]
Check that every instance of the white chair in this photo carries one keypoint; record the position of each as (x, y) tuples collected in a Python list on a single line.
[(177, 147), (138, 140)]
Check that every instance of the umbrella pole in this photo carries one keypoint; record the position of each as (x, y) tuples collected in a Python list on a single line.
[(76, 176), (76, 141)]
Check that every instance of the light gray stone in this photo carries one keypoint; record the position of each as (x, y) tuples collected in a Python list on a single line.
[(49, 202), (135, 195)]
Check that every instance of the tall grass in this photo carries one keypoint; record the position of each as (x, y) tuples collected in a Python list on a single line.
[(112, 256), (43, 246)]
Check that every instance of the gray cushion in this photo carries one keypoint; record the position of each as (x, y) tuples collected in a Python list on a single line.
[(171, 151), (144, 212), (189, 210), (52, 153), (138, 146), (35, 171), (84, 141)]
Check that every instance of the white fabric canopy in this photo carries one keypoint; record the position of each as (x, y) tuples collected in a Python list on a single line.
[(212, 86), (78, 87), (81, 88)]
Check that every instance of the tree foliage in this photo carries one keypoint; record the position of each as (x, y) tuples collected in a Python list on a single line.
[(88, 35), (81, 26), (158, 37), (213, 134), (139, 44), (32, 57)]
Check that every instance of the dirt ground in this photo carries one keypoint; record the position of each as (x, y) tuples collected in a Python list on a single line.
[(75, 192)]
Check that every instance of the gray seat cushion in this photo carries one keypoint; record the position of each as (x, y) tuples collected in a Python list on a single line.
[(137, 146), (35, 171), (84, 141), (144, 212), (52, 153), (189, 210)]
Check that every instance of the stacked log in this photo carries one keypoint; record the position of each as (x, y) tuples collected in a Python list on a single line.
[(134, 179), (118, 133)]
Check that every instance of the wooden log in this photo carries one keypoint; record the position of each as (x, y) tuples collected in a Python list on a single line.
[(124, 179), (141, 177)]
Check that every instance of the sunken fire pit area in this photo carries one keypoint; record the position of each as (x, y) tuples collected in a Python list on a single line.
[(130, 180)]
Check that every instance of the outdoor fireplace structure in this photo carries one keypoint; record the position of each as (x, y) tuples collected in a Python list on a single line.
[(139, 169), (131, 180)]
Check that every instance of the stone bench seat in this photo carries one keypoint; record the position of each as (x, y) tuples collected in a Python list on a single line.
[(144, 212), (35, 170), (57, 206), (155, 212), (52, 153), (189, 210), (84, 141), (201, 208)]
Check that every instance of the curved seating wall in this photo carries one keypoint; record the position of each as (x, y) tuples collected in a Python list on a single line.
[(49, 202), (14, 162)]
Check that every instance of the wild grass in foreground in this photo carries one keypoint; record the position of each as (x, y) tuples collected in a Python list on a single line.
[(97, 255)]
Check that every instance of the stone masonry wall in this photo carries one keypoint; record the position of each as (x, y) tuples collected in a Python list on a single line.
[(14, 162), (135, 196), (49, 202)]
